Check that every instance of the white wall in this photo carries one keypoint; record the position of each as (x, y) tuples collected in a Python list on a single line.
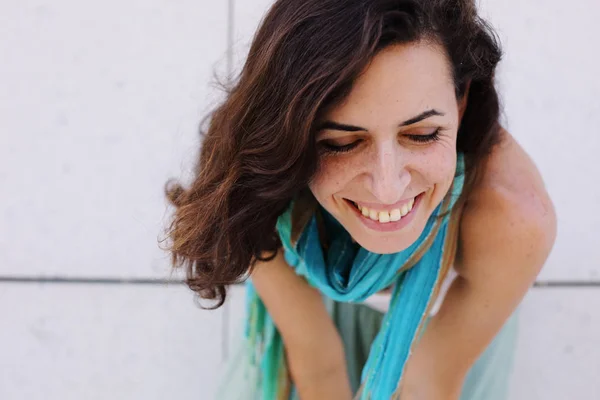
[(99, 106)]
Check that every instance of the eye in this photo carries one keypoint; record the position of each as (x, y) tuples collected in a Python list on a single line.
[(336, 148), (435, 136)]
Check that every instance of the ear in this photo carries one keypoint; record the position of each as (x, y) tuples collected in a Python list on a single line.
[(462, 104)]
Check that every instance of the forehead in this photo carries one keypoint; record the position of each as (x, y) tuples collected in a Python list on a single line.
[(405, 78)]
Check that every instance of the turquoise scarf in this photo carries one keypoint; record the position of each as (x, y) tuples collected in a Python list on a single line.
[(349, 273)]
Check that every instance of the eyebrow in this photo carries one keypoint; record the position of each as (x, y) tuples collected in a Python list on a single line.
[(331, 125)]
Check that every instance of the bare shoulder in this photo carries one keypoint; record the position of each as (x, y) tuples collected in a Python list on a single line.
[(511, 171), (509, 211)]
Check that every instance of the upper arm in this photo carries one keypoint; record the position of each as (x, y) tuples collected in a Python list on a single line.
[(505, 238), (314, 350), (503, 248), (293, 304)]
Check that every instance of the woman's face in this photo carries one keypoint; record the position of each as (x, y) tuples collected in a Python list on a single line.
[(390, 146)]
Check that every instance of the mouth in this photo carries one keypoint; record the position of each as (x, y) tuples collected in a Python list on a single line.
[(386, 220)]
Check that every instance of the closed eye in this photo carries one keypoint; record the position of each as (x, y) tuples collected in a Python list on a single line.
[(334, 148), (330, 147), (425, 138)]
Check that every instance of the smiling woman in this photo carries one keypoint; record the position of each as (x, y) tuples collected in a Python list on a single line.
[(359, 151)]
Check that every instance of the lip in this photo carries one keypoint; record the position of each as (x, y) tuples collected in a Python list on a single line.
[(373, 206), (389, 226)]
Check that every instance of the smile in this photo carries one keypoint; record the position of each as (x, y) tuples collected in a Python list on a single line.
[(386, 219)]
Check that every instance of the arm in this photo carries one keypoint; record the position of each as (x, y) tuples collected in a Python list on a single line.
[(314, 350), (505, 240)]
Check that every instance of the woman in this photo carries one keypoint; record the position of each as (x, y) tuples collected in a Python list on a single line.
[(360, 151)]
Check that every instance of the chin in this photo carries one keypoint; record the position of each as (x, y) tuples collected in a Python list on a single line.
[(386, 244)]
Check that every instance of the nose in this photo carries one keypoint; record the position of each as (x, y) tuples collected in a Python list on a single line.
[(389, 175)]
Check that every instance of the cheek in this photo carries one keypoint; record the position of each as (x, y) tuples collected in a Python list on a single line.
[(441, 167), (433, 166), (331, 177)]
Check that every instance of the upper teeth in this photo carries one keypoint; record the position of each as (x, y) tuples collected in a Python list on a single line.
[(385, 216)]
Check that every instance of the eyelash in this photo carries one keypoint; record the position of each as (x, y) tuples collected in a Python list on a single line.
[(434, 137)]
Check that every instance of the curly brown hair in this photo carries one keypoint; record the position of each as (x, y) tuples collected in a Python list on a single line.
[(259, 150)]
